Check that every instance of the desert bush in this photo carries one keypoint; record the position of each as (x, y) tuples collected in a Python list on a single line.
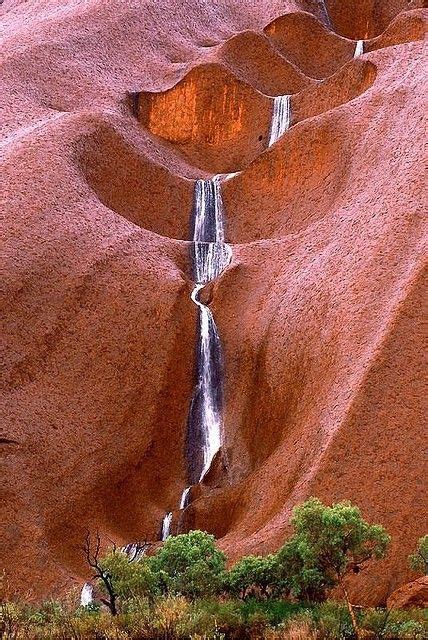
[(375, 622), (332, 621), (214, 617), (135, 579), (418, 561), (299, 572), (190, 564), (409, 625), (254, 575), (328, 544), (275, 611), (10, 621), (178, 618), (299, 627)]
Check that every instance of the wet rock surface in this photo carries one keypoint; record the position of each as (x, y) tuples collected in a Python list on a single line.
[(319, 313)]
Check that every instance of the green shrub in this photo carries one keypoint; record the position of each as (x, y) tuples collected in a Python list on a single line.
[(214, 618), (299, 572), (254, 575), (418, 561), (332, 621), (275, 611), (375, 621), (410, 624), (328, 543), (190, 564), (130, 579)]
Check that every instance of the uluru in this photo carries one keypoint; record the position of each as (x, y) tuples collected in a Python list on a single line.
[(214, 286)]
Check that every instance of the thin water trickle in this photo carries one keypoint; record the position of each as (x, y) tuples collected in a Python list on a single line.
[(134, 551), (359, 48), (222, 177), (86, 595), (281, 118), (166, 526), (184, 498)]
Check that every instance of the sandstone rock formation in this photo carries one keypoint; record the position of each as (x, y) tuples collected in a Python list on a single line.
[(111, 111), (413, 594)]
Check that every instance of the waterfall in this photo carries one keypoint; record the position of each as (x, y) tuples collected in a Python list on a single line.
[(210, 256), (208, 211), (184, 498), (134, 551), (359, 48), (209, 260), (86, 595), (206, 408), (166, 526), (281, 118)]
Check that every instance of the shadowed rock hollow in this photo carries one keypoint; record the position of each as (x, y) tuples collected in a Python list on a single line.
[(111, 111)]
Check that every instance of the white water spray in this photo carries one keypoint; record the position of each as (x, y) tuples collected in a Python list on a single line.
[(222, 177), (134, 551), (211, 255), (359, 48), (281, 118), (211, 418), (166, 526), (86, 595), (184, 498)]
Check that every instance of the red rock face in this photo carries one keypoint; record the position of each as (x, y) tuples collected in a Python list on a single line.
[(111, 111), (413, 594)]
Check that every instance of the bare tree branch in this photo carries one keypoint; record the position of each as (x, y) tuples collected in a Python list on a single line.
[(92, 559)]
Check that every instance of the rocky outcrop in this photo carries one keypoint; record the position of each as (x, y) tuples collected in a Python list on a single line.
[(411, 595), (112, 110)]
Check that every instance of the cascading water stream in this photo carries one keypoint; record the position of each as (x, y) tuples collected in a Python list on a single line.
[(210, 256), (86, 595), (184, 498), (359, 48), (166, 526), (281, 118), (134, 551), (206, 403)]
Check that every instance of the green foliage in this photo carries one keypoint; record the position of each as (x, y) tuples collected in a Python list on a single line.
[(418, 561), (130, 579), (328, 543), (171, 595), (190, 564), (299, 572), (275, 611), (410, 624), (178, 618), (253, 575), (333, 621)]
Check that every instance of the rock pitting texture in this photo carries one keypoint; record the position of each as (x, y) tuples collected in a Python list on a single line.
[(319, 312), (412, 594)]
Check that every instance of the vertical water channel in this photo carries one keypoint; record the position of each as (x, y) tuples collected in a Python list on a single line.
[(359, 48), (210, 256), (281, 118)]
